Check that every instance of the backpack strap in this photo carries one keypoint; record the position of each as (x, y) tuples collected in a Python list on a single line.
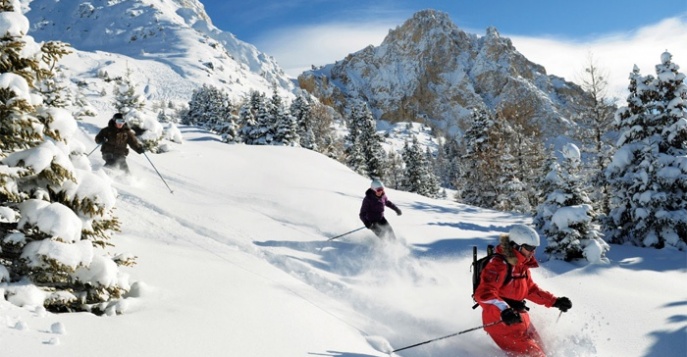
[(476, 274)]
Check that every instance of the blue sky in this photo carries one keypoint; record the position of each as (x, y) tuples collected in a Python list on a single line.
[(250, 20), (558, 35)]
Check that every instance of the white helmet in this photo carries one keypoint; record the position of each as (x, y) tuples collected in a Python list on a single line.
[(522, 234), (376, 183)]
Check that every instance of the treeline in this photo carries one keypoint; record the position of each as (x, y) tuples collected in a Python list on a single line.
[(622, 179)]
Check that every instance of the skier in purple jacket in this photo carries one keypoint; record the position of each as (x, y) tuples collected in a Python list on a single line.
[(372, 210)]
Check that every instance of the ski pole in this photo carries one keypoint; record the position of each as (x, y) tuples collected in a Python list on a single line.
[(447, 336), (97, 146), (158, 172), (343, 234)]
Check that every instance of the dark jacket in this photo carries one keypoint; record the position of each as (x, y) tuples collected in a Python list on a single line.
[(115, 140), (372, 210)]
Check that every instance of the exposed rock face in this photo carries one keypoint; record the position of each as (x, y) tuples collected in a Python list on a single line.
[(428, 70)]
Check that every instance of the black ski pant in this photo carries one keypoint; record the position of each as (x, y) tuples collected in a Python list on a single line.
[(115, 161), (383, 229)]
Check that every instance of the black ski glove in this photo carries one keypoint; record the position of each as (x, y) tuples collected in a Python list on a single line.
[(563, 303), (398, 211), (367, 225), (510, 316)]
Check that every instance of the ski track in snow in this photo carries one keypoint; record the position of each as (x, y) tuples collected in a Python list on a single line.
[(366, 262), (358, 271)]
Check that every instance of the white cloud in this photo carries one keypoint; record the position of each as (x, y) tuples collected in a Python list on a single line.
[(297, 48), (615, 54)]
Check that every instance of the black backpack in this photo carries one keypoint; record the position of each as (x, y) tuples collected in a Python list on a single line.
[(479, 264)]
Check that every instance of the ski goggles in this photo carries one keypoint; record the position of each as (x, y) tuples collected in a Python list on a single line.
[(529, 248)]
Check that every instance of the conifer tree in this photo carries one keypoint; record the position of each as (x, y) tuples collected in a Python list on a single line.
[(127, 97), (480, 165), (248, 117), (418, 174), (45, 187), (263, 131), (394, 171), (448, 163), (548, 182), (648, 172), (285, 125), (365, 153), (567, 216), (300, 109)]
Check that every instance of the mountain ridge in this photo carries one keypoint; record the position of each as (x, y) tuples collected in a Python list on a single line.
[(178, 33), (428, 70)]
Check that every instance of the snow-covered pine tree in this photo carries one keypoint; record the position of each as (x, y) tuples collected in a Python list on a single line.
[(211, 108), (300, 109), (394, 170), (162, 117), (548, 182), (512, 193), (127, 97), (355, 151), (567, 214), (81, 106), (413, 166), (432, 182), (285, 125), (205, 106), (418, 175), (480, 165), (263, 131), (53, 90), (448, 162), (247, 117), (648, 172), (54, 211), (371, 143)]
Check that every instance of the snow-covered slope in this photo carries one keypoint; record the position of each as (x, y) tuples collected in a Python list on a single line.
[(235, 262), (176, 33)]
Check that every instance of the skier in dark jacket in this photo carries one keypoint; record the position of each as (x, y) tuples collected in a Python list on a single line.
[(372, 210), (506, 302), (114, 139)]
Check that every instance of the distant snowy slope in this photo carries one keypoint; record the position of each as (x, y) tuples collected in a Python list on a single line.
[(176, 33)]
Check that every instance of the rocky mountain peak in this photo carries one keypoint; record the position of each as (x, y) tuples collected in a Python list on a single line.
[(428, 70)]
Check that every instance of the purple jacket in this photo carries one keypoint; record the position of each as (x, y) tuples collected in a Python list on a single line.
[(372, 210)]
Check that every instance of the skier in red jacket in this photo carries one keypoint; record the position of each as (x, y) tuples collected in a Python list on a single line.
[(506, 302)]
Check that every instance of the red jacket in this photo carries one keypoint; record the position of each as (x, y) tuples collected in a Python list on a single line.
[(491, 290), (520, 339)]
